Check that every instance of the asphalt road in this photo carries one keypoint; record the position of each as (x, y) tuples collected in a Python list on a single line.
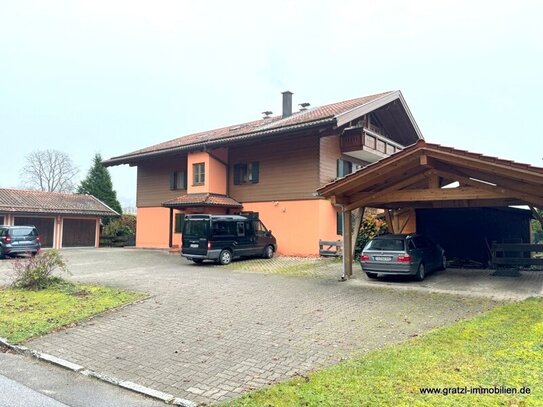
[(25, 382)]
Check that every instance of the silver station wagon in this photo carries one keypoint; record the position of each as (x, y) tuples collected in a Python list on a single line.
[(413, 255)]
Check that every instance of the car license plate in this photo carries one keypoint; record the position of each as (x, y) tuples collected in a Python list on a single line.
[(383, 258), (195, 245)]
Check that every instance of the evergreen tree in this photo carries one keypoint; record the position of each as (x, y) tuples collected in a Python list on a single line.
[(98, 183)]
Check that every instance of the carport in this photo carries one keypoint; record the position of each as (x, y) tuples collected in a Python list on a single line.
[(427, 176)]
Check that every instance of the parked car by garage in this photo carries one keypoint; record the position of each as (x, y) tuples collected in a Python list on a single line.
[(222, 238), (19, 240), (413, 255)]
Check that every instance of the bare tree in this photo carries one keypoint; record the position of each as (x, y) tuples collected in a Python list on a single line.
[(49, 170)]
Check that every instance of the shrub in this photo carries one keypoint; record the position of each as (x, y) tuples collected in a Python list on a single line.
[(123, 226), (370, 227), (36, 273)]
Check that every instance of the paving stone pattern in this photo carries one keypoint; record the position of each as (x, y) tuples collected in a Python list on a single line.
[(210, 333)]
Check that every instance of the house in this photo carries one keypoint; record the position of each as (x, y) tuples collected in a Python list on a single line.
[(63, 220), (271, 166)]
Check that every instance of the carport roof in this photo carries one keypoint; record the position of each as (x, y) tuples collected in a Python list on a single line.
[(416, 177), (38, 202)]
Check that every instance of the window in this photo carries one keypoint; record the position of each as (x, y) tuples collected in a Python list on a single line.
[(198, 174), (344, 167), (223, 228), (178, 180), (260, 229), (339, 223), (246, 173), (240, 228), (179, 222)]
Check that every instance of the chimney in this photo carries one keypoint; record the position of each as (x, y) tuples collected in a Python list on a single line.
[(287, 103)]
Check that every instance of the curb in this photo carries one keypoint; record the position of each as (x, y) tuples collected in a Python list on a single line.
[(74, 367)]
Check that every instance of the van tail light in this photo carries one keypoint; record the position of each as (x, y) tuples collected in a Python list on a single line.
[(8, 239), (404, 259), (38, 239), (364, 257), (208, 245)]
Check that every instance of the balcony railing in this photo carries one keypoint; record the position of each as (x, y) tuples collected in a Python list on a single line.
[(366, 139)]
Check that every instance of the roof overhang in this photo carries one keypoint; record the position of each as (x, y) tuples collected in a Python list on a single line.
[(202, 200), (421, 175), (133, 158), (350, 115)]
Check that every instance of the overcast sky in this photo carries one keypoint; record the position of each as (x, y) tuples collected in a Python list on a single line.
[(115, 76)]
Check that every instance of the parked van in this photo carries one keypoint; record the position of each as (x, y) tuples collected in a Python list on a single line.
[(223, 237)]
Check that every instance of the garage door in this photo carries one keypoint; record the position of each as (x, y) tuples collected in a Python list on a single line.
[(46, 228), (78, 233)]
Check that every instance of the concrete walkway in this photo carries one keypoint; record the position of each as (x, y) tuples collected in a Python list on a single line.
[(210, 333)]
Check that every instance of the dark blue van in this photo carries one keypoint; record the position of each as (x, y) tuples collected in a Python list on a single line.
[(222, 238)]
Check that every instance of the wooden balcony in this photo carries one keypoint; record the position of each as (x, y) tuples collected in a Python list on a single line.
[(367, 144)]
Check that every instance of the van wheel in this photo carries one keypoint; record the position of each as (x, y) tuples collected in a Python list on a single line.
[(268, 252), (421, 272), (198, 261), (225, 257)]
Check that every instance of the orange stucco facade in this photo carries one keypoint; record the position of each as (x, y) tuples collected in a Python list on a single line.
[(297, 225), (215, 173)]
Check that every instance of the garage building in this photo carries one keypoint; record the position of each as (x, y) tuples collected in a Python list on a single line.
[(63, 220)]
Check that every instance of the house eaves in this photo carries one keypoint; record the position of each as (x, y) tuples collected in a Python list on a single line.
[(130, 159), (359, 111)]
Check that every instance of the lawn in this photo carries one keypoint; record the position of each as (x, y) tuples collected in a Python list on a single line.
[(502, 349), (25, 314)]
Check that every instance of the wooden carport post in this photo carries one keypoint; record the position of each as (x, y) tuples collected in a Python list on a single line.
[(347, 245)]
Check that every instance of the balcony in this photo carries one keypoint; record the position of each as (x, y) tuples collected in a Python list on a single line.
[(367, 144)]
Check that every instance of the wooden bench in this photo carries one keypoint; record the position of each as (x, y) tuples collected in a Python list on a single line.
[(512, 256), (330, 248)]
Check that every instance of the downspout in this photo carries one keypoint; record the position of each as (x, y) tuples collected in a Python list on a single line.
[(343, 247)]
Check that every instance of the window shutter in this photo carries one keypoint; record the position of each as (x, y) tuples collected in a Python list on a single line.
[(237, 174), (339, 223), (172, 181), (255, 172)]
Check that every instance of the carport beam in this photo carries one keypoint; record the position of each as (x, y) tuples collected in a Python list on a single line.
[(347, 245)]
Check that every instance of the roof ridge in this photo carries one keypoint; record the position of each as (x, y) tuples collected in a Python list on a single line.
[(318, 115)]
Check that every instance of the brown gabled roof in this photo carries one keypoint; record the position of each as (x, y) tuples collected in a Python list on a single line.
[(422, 145), (52, 203), (202, 199), (517, 183), (317, 116)]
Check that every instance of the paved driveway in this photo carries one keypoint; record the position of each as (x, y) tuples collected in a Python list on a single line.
[(209, 333)]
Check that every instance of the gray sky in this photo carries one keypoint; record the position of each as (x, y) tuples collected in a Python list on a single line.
[(114, 76)]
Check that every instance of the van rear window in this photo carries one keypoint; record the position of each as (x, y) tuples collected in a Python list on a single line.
[(196, 228)]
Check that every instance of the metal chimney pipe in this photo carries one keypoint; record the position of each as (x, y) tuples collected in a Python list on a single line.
[(287, 103)]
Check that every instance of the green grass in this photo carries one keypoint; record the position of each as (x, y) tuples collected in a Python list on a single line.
[(292, 266), (503, 347), (26, 314)]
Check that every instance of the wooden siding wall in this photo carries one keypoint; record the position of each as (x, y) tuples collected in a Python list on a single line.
[(329, 153), (153, 185), (289, 169)]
